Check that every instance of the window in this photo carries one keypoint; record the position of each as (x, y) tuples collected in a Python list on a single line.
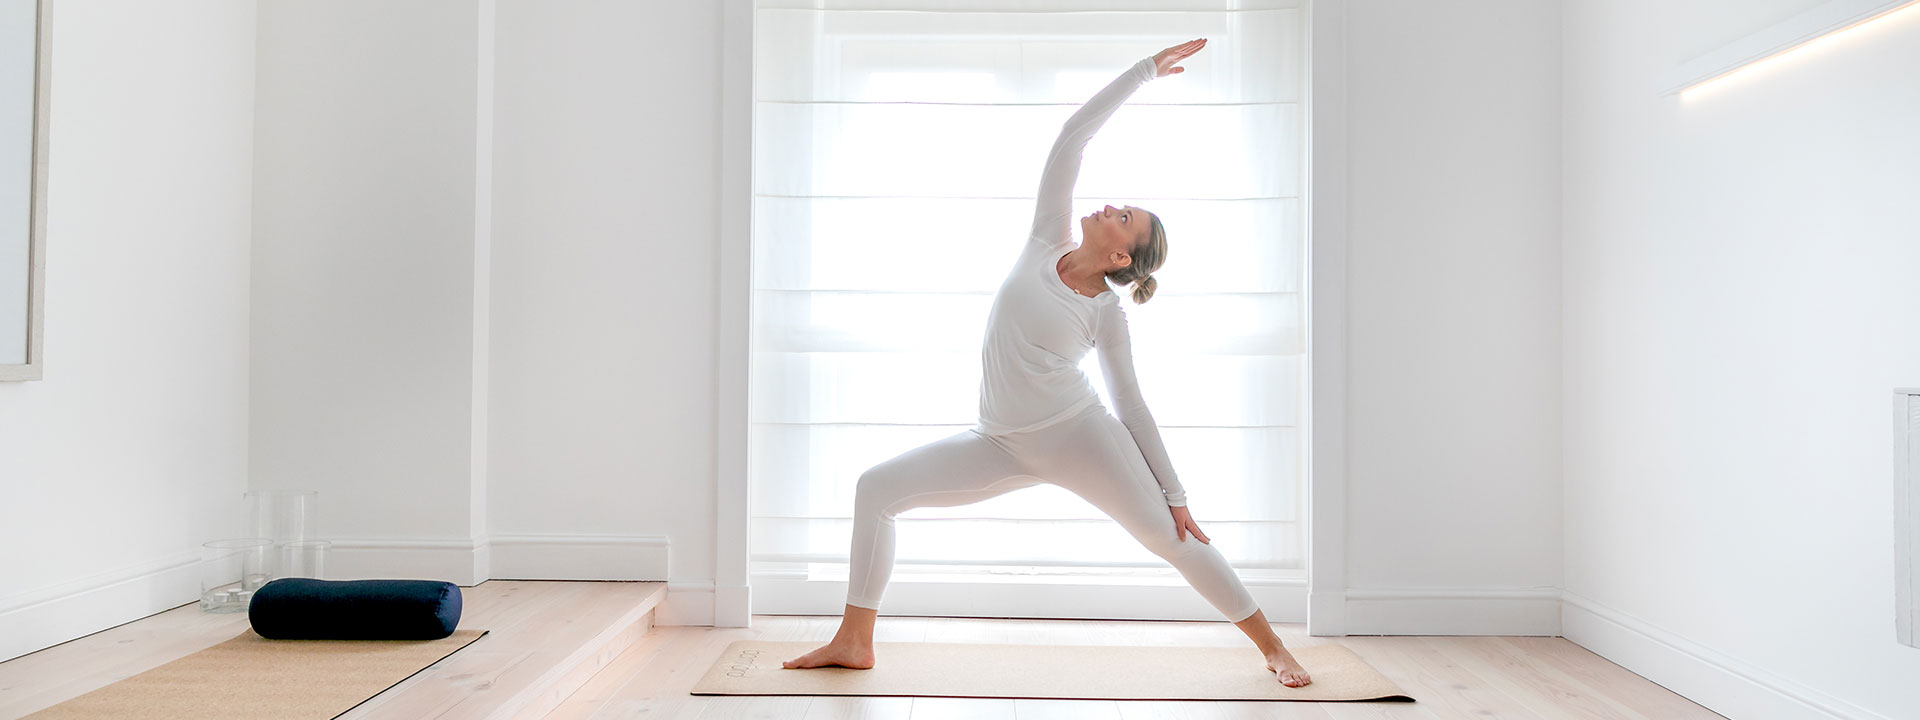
[(898, 146)]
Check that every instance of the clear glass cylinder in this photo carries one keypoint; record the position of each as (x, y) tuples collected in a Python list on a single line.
[(304, 559), (283, 516), (230, 570)]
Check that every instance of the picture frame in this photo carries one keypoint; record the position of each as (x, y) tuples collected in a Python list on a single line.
[(23, 248)]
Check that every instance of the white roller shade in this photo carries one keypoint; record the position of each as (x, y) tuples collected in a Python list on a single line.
[(897, 147)]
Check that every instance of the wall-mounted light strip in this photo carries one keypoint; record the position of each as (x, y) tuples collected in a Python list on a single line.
[(1820, 21)]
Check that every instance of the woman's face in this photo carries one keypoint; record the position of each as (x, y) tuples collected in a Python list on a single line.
[(1114, 230)]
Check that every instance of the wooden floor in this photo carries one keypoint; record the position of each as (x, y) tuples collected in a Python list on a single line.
[(544, 641), (1453, 677)]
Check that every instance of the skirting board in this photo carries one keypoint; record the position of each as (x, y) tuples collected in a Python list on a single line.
[(503, 557), (460, 561), (732, 606), (1283, 602), (1326, 613), (49, 616), (689, 602), (579, 557), (1699, 673), (1453, 611)]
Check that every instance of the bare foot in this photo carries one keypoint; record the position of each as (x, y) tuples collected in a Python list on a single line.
[(1289, 672), (843, 654)]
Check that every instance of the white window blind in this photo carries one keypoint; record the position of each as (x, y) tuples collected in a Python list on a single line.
[(897, 149)]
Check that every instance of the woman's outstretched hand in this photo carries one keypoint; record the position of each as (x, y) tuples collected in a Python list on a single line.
[(1183, 524), (1165, 60)]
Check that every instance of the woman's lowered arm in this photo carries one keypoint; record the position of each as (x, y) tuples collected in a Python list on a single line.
[(1115, 346)]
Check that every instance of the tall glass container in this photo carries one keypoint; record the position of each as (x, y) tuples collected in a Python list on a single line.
[(304, 559), (283, 516)]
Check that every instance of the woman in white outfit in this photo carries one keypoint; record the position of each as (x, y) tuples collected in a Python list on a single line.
[(1040, 420)]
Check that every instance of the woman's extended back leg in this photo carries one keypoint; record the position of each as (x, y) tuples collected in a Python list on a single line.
[(960, 469)]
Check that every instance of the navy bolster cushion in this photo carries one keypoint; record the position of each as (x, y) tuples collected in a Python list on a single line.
[(310, 609)]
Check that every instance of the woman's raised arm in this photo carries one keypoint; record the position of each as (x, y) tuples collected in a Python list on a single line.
[(1063, 162)]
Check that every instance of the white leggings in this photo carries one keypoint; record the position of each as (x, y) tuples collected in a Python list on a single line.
[(1091, 455)]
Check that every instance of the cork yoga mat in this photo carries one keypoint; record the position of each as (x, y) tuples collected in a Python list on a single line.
[(1084, 672), (253, 677)]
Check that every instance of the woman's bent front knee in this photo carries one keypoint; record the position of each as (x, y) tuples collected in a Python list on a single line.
[(874, 492)]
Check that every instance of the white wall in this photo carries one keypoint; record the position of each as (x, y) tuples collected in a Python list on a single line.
[(1740, 302), (605, 273), (1453, 317), (603, 291), (365, 237), (373, 293), (133, 448), (491, 372), (1712, 346)]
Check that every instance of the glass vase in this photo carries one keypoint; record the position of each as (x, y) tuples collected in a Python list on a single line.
[(230, 570)]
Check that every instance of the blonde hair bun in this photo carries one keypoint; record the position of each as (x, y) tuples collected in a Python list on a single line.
[(1143, 289)]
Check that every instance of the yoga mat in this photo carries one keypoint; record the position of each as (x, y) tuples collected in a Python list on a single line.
[(1084, 672), (253, 677)]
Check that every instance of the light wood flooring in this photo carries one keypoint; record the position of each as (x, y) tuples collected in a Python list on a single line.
[(632, 675), (1452, 677)]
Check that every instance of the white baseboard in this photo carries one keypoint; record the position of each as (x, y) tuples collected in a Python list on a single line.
[(1452, 611), (1326, 613), (689, 602), (52, 615), (48, 616), (1284, 601), (461, 561), (579, 557), (1706, 676), (732, 606), (468, 562)]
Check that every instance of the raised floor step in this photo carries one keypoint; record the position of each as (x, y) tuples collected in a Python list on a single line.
[(545, 640)]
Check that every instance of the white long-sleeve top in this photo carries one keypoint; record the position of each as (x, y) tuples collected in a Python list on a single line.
[(1040, 329)]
